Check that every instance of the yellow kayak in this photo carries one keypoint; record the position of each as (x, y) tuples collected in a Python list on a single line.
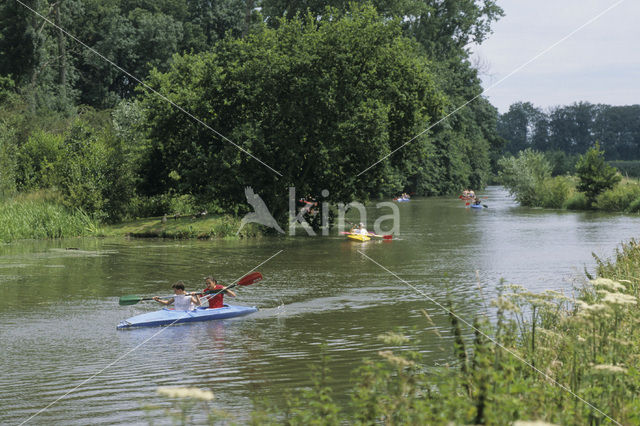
[(358, 237)]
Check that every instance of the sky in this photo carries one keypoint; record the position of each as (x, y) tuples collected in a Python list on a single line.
[(598, 64)]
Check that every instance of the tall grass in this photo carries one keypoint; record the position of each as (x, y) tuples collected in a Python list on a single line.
[(40, 216)]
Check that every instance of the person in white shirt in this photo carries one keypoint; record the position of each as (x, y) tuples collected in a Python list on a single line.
[(359, 229), (181, 300)]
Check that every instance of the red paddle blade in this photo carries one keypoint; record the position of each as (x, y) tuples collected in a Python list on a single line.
[(387, 237), (253, 277), (467, 204)]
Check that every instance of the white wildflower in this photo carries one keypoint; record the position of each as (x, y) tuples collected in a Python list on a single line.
[(398, 361), (597, 307), (620, 299), (581, 339), (194, 393), (505, 305), (609, 284), (582, 304), (515, 287), (608, 368), (395, 339), (532, 423)]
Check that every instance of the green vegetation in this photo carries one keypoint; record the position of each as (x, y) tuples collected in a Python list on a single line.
[(595, 186), (319, 95), (572, 130), (182, 227), (594, 175), (627, 168), (41, 217)]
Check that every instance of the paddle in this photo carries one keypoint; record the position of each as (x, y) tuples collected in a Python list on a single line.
[(384, 237), (246, 280)]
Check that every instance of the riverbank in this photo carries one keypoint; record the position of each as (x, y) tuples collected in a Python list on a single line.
[(43, 217), (37, 218), (545, 357), (203, 228)]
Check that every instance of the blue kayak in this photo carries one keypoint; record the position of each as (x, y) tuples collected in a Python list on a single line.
[(476, 206), (402, 200), (167, 316)]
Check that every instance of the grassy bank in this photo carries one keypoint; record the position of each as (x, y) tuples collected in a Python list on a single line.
[(42, 218), (42, 215), (209, 227)]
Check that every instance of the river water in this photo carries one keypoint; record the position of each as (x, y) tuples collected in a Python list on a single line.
[(60, 305)]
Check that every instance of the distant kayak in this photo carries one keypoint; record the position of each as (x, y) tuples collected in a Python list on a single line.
[(402, 200), (358, 237), (169, 316), (476, 206)]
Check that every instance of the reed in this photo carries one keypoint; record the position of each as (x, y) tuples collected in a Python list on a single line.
[(39, 216)]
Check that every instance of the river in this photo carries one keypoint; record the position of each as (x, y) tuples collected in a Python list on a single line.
[(60, 305)]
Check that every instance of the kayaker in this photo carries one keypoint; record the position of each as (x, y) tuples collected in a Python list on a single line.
[(359, 229), (218, 300), (181, 300)]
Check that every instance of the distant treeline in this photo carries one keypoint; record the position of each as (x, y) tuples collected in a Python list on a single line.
[(573, 129), (317, 93)]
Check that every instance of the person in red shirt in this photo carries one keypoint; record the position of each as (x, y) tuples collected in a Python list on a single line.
[(216, 301)]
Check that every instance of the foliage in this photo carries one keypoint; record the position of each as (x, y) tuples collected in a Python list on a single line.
[(554, 192), (523, 175), (561, 162), (594, 174), (634, 206), (618, 198), (42, 216), (578, 201), (573, 129), (321, 96), (331, 95), (443, 28), (627, 168)]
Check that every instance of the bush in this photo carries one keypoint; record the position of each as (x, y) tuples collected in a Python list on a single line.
[(634, 207), (554, 192), (594, 174), (577, 201), (524, 175), (619, 198), (38, 159)]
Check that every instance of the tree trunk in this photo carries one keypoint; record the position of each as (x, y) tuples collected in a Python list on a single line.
[(62, 56)]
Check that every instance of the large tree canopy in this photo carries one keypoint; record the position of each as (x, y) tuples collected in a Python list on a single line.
[(319, 100)]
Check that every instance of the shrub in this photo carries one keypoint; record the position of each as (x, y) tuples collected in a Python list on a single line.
[(40, 217), (577, 201), (618, 198), (634, 207), (594, 174), (554, 192), (524, 175)]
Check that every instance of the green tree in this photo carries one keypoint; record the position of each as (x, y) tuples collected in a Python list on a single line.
[(520, 126), (523, 175), (594, 174), (317, 99)]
